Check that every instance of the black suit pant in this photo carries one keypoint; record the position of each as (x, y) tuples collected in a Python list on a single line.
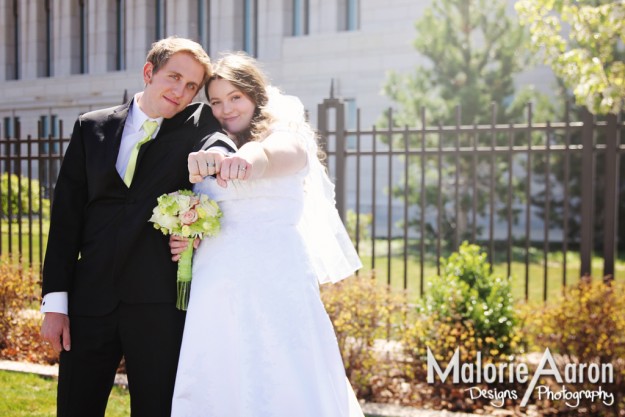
[(147, 335)]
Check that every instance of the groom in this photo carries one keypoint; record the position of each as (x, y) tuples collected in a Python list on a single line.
[(108, 283)]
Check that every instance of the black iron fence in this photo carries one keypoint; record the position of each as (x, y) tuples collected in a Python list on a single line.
[(29, 168), (543, 199)]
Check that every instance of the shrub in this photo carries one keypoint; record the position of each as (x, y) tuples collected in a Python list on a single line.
[(17, 288), (586, 325), (19, 318), (362, 311), (468, 293), (358, 222), (465, 308), (19, 201)]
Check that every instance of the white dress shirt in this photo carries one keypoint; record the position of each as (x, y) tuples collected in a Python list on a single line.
[(56, 302)]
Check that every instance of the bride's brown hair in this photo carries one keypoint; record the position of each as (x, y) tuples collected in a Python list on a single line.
[(243, 72)]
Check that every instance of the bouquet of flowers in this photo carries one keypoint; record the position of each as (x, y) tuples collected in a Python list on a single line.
[(183, 213)]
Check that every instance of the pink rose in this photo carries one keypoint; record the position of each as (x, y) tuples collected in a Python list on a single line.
[(189, 217)]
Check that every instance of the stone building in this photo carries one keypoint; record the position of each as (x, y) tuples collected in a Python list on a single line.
[(59, 58), (63, 57)]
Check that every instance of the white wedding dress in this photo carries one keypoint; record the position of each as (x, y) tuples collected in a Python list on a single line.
[(258, 341)]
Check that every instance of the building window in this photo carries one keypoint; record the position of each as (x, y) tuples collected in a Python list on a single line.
[(54, 125), (49, 125), (120, 36), (161, 18), (204, 24), (349, 15), (9, 128), (250, 27), (351, 121), (12, 31), (44, 127), (83, 38), (48, 36), (48, 128), (42, 46), (353, 14), (301, 11)]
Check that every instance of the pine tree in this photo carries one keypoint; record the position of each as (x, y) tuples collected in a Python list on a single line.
[(474, 49)]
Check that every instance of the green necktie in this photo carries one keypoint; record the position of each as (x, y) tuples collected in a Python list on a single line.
[(149, 126)]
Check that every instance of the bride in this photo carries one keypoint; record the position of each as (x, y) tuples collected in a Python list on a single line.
[(257, 340)]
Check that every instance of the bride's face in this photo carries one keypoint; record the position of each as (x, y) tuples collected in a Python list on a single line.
[(233, 109)]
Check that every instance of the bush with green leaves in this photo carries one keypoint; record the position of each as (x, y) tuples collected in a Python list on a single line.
[(14, 197), (358, 225), (586, 325), (469, 292), (466, 307)]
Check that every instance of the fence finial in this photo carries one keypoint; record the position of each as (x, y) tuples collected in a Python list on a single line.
[(125, 97), (332, 88)]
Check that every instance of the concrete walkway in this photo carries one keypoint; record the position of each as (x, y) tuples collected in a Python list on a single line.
[(370, 409)]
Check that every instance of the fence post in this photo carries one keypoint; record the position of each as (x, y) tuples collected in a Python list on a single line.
[(610, 221), (588, 181), (340, 153)]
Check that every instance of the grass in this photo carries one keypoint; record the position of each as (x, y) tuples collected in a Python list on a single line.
[(379, 265), (27, 395), (31, 246)]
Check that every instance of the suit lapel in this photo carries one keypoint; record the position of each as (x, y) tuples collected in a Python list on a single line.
[(114, 129), (117, 120)]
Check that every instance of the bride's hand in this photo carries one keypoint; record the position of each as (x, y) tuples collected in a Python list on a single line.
[(201, 164), (178, 244), (233, 168)]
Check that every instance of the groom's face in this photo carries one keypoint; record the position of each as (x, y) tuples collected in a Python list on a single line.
[(169, 90)]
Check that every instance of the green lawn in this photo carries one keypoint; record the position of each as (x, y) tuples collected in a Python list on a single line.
[(30, 245), (26, 395), (535, 273)]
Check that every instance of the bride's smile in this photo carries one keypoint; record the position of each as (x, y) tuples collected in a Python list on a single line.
[(231, 107)]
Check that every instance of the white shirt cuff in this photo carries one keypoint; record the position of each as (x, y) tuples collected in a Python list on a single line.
[(54, 302)]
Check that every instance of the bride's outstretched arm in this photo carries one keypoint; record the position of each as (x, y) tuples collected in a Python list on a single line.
[(277, 155)]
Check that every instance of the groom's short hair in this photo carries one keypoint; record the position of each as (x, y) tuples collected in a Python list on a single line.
[(163, 49)]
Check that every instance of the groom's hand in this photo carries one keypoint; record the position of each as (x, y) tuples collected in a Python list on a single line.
[(55, 330), (203, 163)]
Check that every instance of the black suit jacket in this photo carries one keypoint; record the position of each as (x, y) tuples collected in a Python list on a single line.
[(101, 248)]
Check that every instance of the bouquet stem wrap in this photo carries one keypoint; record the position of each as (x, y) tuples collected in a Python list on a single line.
[(184, 277), (186, 214)]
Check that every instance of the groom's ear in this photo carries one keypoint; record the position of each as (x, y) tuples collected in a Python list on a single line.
[(148, 71)]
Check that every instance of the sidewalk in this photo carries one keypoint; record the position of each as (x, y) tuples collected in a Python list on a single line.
[(370, 409), (47, 370)]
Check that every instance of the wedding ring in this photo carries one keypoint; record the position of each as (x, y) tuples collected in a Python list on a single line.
[(210, 164), (242, 169)]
